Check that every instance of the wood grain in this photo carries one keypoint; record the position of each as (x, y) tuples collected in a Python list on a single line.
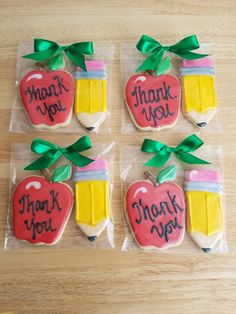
[(82, 281)]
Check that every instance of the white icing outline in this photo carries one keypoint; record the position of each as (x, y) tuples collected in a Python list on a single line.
[(141, 78), (141, 189), (34, 76), (36, 184)]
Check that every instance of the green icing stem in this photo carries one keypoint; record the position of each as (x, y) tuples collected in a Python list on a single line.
[(166, 174)]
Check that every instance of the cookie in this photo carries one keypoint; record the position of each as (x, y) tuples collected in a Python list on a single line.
[(204, 207), (199, 92), (91, 94), (48, 98), (156, 214), (92, 204), (41, 210), (153, 102)]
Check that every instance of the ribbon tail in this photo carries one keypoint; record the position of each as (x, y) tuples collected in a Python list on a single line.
[(41, 55), (78, 159), (190, 159), (77, 58), (158, 160), (56, 62), (191, 55), (45, 161), (151, 63), (164, 66), (81, 145)]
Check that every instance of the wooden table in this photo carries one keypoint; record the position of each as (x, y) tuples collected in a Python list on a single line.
[(73, 281)]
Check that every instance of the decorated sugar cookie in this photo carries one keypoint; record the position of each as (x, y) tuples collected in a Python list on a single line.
[(42, 205), (48, 97), (199, 93), (153, 101), (203, 191), (92, 204), (153, 97), (91, 94), (156, 211), (41, 210)]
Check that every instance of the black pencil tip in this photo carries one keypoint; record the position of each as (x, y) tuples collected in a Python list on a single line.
[(206, 250), (90, 129), (201, 125), (93, 238)]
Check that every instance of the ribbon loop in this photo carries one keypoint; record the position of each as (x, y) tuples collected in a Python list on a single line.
[(40, 146), (148, 45), (190, 144), (155, 50), (46, 49), (52, 153), (44, 44), (181, 151)]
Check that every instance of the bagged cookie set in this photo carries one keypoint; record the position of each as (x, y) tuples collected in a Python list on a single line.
[(63, 88), (63, 197), (172, 195), (173, 202), (173, 89)]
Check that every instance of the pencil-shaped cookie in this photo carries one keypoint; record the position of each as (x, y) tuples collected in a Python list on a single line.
[(204, 207), (92, 205), (199, 94), (91, 94)]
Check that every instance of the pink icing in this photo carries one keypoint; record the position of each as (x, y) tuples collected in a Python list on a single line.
[(203, 62), (97, 164), (94, 65), (202, 175)]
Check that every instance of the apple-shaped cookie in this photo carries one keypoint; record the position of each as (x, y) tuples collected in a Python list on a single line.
[(48, 98), (153, 102), (41, 210), (156, 214)]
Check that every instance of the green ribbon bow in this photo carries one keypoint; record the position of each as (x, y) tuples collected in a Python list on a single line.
[(52, 153), (155, 50), (46, 49), (181, 151)]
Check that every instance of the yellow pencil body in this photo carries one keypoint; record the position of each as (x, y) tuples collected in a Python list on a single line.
[(204, 207), (199, 92), (205, 212), (92, 203), (91, 95)]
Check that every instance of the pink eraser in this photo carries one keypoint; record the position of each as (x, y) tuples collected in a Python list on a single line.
[(202, 175), (94, 65), (97, 164), (203, 62)]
